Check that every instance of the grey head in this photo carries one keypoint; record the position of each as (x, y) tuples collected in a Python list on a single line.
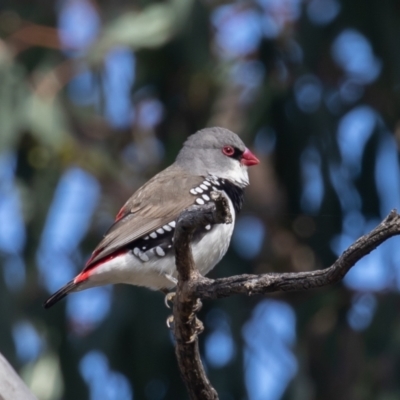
[(219, 152)]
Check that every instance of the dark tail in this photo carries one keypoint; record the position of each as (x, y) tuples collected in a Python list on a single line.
[(60, 294)]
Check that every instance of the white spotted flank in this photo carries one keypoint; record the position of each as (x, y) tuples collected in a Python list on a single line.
[(160, 252)]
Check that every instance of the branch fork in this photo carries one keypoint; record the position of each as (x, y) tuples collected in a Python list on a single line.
[(192, 287)]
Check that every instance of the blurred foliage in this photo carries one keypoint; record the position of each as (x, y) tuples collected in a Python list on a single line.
[(282, 89)]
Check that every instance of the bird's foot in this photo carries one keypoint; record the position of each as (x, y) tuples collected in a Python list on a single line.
[(169, 298), (198, 325), (196, 308), (171, 279), (198, 329)]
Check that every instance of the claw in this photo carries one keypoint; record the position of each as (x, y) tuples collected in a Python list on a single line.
[(169, 297), (198, 329), (170, 321), (192, 339), (198, 306)]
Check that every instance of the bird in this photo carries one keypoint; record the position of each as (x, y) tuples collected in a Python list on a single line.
[(138, 247)]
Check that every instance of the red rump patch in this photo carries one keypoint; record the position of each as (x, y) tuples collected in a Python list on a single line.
[(120, 214), (85, 274)]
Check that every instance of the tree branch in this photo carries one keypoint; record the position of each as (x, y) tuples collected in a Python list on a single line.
[(297, 281), (186, 325), (192, 286)]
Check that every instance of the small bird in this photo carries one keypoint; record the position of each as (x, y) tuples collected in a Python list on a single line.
[(138, 247)]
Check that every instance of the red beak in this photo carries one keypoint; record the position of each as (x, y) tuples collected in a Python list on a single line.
[(248, 158)]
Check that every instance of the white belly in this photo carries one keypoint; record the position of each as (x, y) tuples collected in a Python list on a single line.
[(209, 251), (127, 268)]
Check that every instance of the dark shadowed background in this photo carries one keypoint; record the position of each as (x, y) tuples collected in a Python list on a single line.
[(98, 96)]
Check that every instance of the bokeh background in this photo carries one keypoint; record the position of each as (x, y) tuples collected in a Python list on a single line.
[(97, 96)]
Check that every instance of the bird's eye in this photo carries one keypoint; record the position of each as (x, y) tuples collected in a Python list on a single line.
[(228, 151)]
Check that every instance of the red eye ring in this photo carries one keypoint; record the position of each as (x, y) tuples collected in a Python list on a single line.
[(228, 151)]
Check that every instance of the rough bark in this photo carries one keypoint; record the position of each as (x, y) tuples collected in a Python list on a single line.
[(186, 325), (192, 287), (298, 281)]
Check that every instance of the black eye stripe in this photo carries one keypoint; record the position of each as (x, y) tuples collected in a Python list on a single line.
[(237, 155)]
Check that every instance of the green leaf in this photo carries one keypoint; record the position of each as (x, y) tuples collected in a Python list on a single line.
[(13, 92), (46, 120), (152, 27)]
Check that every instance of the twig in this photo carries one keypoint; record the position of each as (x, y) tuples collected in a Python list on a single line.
[(289, 282)]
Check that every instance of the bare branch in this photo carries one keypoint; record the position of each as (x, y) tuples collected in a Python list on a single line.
[(186, 325), (192, 286), (289, 282)]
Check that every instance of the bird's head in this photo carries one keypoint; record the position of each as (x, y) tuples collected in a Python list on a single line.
[(219, 152)]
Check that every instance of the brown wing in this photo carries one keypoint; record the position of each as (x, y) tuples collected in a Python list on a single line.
[(155, 204)]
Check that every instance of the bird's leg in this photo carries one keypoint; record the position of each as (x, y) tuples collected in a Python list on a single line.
[(171, 279), (169, 297)]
